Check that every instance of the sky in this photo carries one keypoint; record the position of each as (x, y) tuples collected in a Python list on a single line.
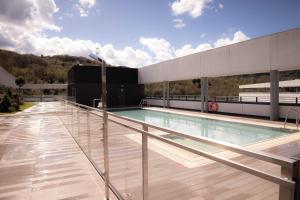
[(136, 33)]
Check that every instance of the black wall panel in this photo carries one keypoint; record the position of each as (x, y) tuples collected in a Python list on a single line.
[(84, 83)]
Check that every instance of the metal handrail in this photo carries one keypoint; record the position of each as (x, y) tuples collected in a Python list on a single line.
[(275, 159), (279, 160), (257, 99), (94, 102), (289, 166), (142, 102), (286, 118), (236, 165)]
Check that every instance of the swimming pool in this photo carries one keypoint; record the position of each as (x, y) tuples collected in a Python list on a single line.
[(230, 132)]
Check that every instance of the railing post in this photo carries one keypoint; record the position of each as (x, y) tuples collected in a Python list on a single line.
[(78, 123), (286, 193), (105, 134), (296, 100), (72, 121), (145, 162), (256, 99), (290, 174), (296, 178), (88, 131)]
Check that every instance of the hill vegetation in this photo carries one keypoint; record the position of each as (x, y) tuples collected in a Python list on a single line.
[(54, 69), (221, 86), (40, 69)]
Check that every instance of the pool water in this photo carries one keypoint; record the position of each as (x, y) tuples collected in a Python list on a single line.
[(230, 132)]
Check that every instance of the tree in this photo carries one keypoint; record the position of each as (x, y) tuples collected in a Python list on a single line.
[(5, 104), (197, 82), (20, 82)]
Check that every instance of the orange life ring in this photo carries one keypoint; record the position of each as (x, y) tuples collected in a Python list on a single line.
[(213, 106), (145, 103)]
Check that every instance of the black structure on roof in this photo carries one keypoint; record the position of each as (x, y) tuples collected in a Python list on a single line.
[(84, 84)]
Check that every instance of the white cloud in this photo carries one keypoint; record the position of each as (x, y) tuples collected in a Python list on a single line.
[(194, 8), (87, 3), (128, 56), (188, 49), (160, 47), (20, 19), (239, 36), (221, 6), (31, 15), (66, 15), (163, 50), (83, 6), (24, 32), (64, 45), (58, 45), (23, 25), (82, 12), (185, 50), (179, 23)]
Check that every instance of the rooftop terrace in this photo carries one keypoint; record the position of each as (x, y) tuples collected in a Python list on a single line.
[(40, 160), (55, 151)]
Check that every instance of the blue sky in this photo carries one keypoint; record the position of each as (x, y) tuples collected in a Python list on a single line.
[(124, 23), (140, 32)]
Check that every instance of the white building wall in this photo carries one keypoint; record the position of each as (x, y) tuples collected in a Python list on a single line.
[(284, 50), (283, 110), (234, 108), (250, 57), (155, 102), (267, 94), (194, 105), (278, 51)]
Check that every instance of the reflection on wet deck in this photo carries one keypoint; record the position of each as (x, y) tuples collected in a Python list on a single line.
[(40, 160)]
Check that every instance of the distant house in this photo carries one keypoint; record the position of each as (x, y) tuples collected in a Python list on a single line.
[(288, 91), (8, 80)]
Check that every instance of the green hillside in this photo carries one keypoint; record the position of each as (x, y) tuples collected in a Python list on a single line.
[(53, 69), (40, 69), (222, 86)]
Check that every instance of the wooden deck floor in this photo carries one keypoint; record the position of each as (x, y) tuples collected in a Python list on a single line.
[(40, 159)]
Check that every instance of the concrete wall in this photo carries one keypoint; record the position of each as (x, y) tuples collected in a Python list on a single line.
[(183, 104), (7, 79), (245, 109), (284, 97), (234, 108), (283, 110), (267, 94), (278, 51), (42, 98)]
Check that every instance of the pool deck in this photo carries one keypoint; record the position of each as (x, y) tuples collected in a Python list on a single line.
[(39, 159), (287, 145)]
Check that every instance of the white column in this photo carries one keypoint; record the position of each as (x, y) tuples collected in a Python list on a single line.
[(274, 95), (168, 93), (204, 94), (164, 94)]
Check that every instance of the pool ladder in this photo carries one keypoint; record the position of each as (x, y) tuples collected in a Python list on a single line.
[(142, 103), (297, 119)]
